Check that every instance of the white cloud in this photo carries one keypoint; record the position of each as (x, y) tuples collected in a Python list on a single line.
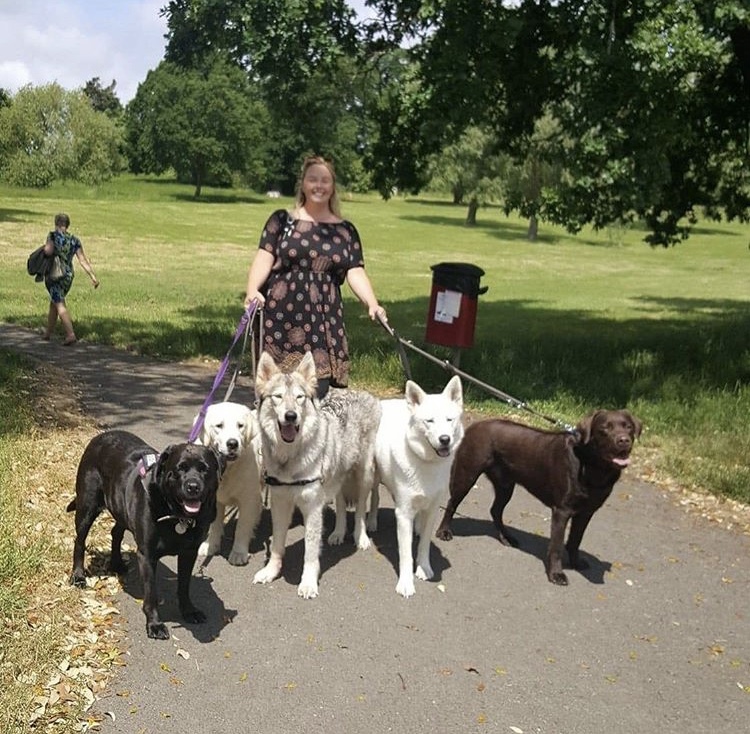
[(73, 41)]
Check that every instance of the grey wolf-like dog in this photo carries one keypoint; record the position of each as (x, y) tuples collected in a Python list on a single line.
[(310, 449)]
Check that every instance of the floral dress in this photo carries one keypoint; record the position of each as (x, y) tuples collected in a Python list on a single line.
[(304, 310), (66, 246)]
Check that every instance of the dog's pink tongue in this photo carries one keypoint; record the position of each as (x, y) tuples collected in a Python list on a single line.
[(621, 462), (288, 431), (192, 508)]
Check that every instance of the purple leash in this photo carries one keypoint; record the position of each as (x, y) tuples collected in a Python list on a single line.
[(245, 321)]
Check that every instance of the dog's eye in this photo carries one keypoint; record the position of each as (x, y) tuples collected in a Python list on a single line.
[(220, 425), (300, 399), (429, 420)]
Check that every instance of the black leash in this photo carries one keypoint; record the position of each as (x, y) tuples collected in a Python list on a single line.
[(514, 402)]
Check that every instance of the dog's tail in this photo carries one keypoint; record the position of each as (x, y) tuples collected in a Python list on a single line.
[(71, 507)]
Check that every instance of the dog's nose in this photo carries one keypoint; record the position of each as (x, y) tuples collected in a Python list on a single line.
[(445, 440), (193, 487), (290, 416), (623, 440), (233, 444)]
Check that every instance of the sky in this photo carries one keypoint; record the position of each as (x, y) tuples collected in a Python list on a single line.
[(72, 41)]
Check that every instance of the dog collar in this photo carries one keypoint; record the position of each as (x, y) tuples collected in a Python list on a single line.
[(146, 462), (274, 482), (183, 524)]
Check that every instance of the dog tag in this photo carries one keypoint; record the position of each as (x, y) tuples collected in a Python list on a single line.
[(181, 527)]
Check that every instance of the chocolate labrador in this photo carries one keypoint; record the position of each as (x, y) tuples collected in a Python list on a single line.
[(167, 501), (571, 472)]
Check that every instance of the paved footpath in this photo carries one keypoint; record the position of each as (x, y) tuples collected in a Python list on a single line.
[(654, 637)]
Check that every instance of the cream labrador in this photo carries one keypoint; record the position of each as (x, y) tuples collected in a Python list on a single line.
[(232, 430)]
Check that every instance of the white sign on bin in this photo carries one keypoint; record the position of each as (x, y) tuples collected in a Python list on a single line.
[(447, 306)]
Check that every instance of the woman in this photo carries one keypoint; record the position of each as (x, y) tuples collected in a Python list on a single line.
[(60, 242), (303, 258)]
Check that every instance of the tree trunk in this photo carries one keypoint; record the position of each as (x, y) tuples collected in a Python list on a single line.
[(533, 228), (471, 215)]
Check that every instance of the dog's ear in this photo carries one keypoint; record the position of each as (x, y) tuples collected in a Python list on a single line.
[(266, 370), (454, 391), (584, 426), (221, 460), (414, 394), (160, 467), (637, 425), (306, 370), (250, 429)]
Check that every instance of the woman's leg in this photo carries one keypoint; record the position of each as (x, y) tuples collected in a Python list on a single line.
[(51, 320), (67, 322)]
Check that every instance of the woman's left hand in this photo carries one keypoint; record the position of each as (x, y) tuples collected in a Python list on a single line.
[(377, 313)]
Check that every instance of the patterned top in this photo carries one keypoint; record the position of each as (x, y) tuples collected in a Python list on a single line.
[(66, 246), (304, 310)]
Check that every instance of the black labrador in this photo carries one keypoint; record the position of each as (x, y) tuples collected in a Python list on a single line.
[(166, 500), (573, 473)]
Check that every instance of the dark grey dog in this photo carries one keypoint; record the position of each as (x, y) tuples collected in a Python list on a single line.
[(167, 501), (573, 474)]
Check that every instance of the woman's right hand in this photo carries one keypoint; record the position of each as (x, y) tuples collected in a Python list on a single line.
[(255, 296)]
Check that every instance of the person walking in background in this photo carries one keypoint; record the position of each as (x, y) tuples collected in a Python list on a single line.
[(60, 242), (302, 260)]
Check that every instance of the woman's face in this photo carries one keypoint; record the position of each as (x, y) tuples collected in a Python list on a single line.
[(317, 185)]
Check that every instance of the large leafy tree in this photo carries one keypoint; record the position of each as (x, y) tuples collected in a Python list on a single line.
[(205, 124), (48, 134), (300, 55), (652, 98)]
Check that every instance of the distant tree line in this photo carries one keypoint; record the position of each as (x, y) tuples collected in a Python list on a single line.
[(568, 111)]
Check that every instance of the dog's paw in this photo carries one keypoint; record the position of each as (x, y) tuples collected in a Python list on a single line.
[(336, 537), (266, 574), (405, 587), (363, 542), (78, 578), (206, 549), (194, 616), (424, 572), (558, 577), (307, 589), (239, 558), (157, 631), (118, 567), (444, 534)]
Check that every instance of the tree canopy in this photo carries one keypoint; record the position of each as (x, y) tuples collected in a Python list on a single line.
[(651, 99), (204, 124), (48, 134)]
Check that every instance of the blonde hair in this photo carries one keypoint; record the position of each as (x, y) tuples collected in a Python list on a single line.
[(316, 160)]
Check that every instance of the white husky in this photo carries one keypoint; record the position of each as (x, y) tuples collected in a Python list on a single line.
[(414, 449), (232, 430), (310, 449)]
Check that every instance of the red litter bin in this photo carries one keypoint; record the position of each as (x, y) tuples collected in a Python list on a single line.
[(453, 304)]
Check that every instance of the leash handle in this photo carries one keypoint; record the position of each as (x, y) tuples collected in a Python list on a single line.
[(241, 327)]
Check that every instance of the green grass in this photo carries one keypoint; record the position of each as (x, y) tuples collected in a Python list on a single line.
[(568, 324)]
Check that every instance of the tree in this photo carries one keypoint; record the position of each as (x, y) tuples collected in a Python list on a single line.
[(299, 55), (204, 124), (103, 99), (652, 98), (48, 134), (471, 169)]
